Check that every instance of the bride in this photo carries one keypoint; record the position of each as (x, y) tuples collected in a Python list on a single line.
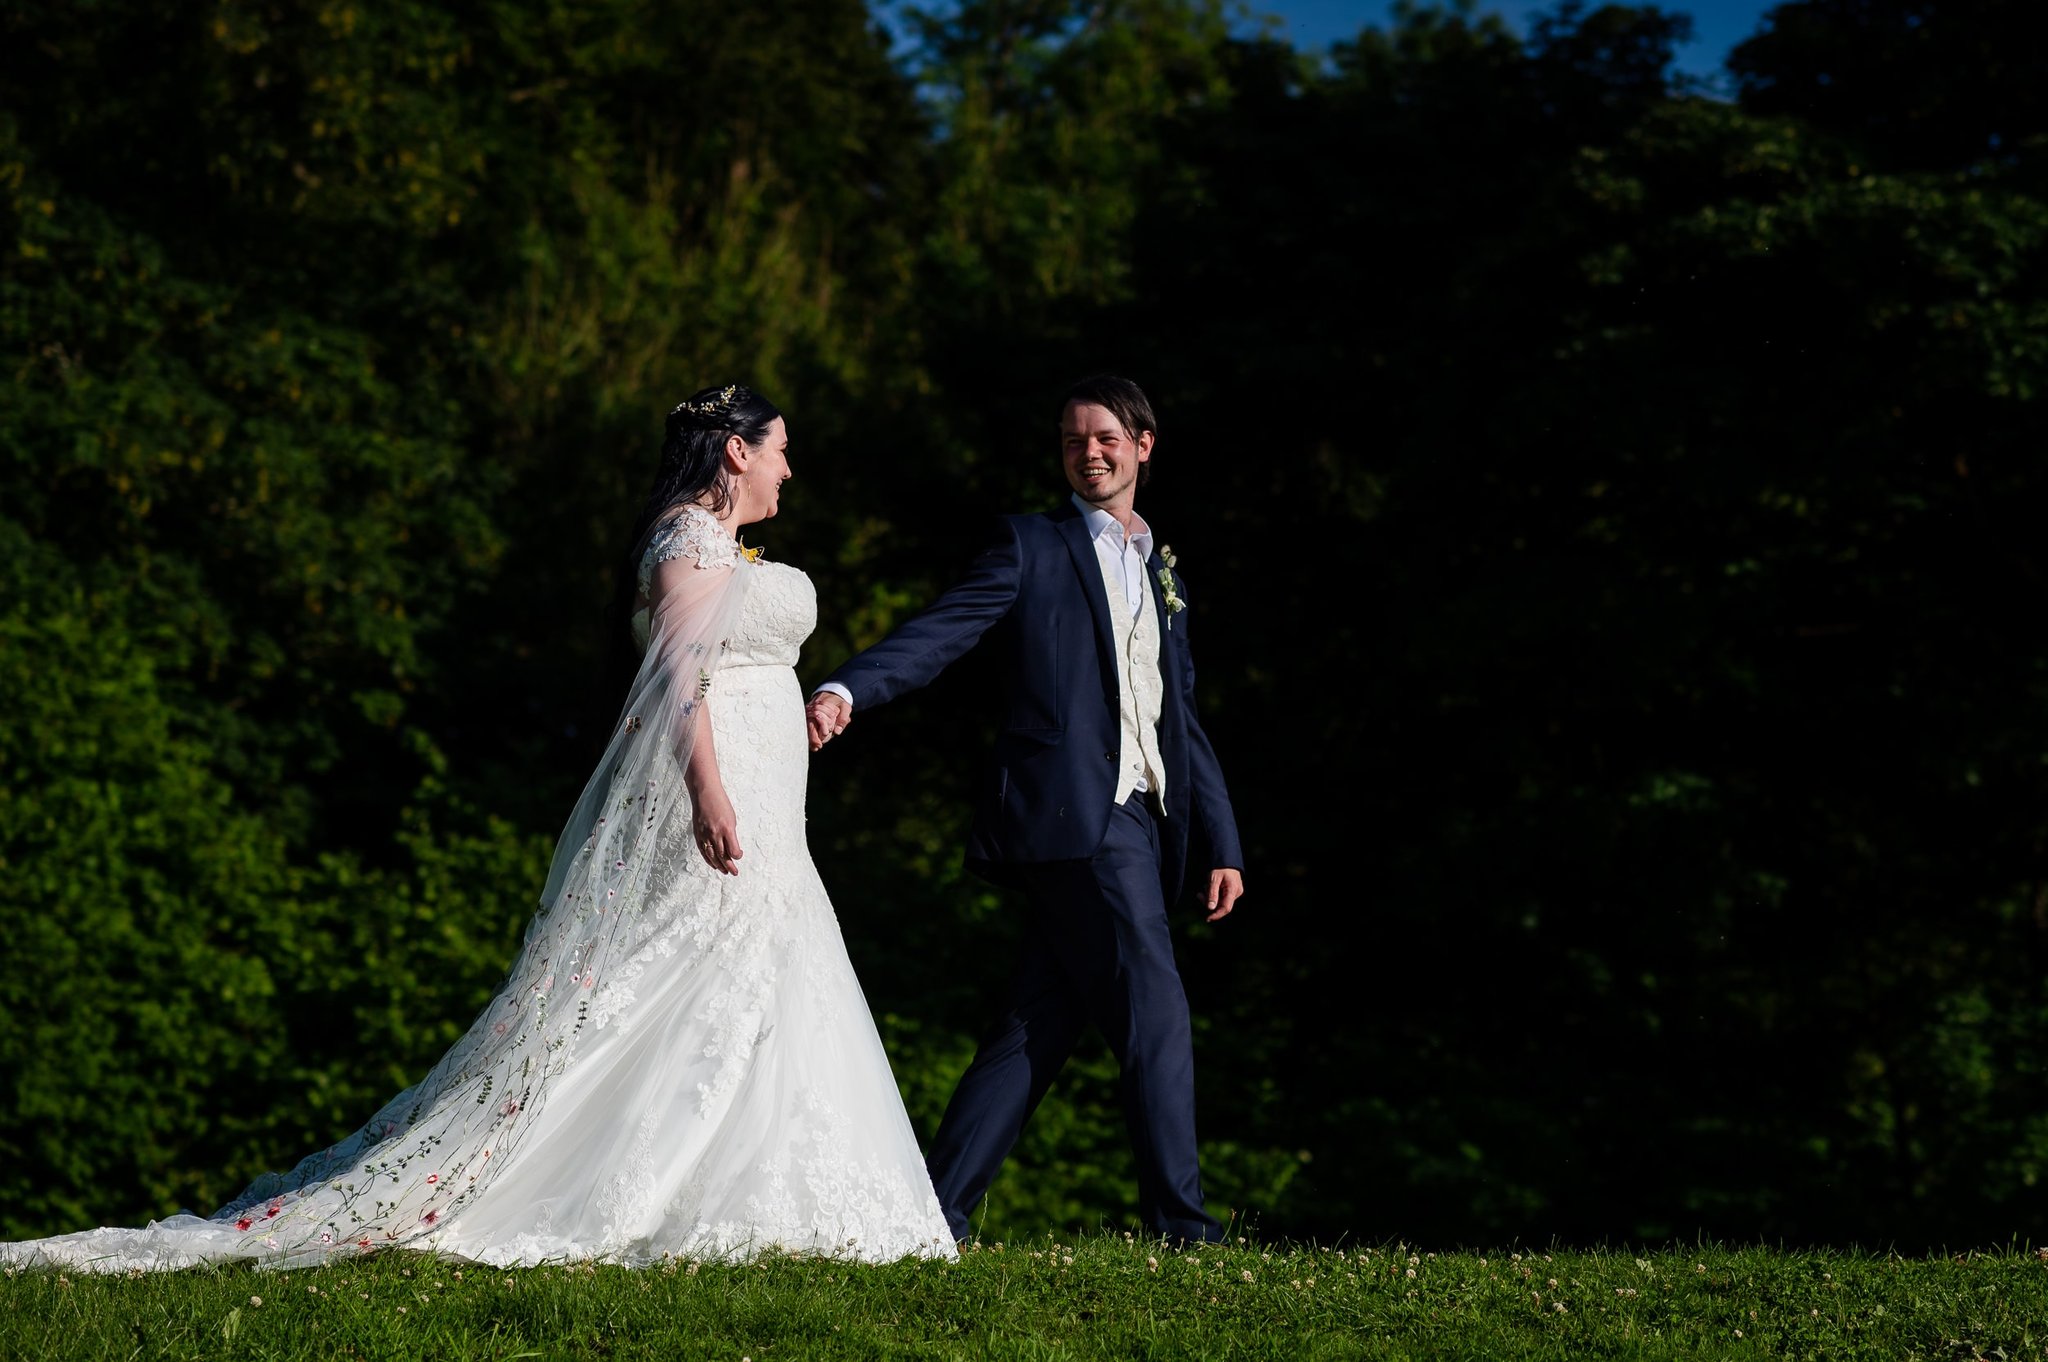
[(680, 1062)]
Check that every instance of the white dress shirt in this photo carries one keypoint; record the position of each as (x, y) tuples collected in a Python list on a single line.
[(1123, 556)]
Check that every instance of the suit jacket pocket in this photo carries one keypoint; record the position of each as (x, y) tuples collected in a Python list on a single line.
[(1027, 736), (1033, 691)]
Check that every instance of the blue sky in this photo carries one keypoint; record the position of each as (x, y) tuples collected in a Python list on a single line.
[(1717, 24)]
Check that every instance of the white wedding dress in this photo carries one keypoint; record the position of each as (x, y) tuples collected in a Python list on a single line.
[(719, 1089)]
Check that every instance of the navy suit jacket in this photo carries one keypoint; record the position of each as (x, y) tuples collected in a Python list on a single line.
[(1037, 593)]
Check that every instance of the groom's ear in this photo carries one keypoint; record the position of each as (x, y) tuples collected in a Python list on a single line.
[(1144, 443)]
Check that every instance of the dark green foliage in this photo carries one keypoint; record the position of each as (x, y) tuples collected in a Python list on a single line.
[(1609, 516), (1661, 713)]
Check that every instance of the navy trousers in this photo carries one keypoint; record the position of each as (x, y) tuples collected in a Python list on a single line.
[(1098, 950)]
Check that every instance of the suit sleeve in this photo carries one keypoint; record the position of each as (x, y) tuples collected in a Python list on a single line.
[(919, 649), (1215, 820)]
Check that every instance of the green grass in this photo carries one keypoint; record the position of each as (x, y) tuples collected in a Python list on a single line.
[(1102, 1297)]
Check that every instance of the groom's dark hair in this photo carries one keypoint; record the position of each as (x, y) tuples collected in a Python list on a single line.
[(1126, 402)]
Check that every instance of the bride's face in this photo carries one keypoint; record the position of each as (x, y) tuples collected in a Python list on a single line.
[(757, 482)]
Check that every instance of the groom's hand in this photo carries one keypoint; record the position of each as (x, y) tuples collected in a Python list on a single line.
[(827, 715), (1225, 887)]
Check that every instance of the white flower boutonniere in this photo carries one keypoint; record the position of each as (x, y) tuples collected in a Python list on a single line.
[(1169, 585)]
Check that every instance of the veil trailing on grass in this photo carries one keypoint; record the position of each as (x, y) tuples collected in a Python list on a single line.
[(436, 1147)]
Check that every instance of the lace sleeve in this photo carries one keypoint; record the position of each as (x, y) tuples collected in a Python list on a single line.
[(685, 573), (694, 536)]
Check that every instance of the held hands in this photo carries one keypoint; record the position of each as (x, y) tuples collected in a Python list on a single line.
[(717, 830), (826, 715), (1225, 888)]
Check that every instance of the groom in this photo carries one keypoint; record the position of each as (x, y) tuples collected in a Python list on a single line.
[(1102, 781)]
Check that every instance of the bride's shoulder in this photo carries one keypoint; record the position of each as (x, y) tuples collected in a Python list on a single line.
[(693, 533)]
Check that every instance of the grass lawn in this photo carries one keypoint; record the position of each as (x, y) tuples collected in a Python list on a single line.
[(1105, 1297)]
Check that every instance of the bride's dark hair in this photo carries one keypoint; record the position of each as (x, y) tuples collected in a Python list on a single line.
[(692, 464), (693, 451)]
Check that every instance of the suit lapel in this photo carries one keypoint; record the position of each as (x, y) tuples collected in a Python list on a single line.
[(1074, 529), (1169, 660)]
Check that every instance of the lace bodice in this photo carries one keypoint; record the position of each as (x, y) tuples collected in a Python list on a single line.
[(779, 613), (781, 607)]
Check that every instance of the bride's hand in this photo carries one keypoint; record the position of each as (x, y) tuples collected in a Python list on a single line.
[(826, 715), (717, 830)]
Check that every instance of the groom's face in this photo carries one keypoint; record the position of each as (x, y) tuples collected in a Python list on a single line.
[(1100, 457)]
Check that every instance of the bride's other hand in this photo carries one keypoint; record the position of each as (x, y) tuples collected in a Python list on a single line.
[(717, 830), (827, 716)]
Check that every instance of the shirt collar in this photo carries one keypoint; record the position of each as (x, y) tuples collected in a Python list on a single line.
[(1101, 522)]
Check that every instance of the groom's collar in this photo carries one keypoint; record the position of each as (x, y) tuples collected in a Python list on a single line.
[(1101, 522)]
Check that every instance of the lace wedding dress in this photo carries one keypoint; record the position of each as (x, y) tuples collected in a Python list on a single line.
[(681, 1063)]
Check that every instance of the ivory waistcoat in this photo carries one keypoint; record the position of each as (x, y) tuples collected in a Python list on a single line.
[(1140, 690)]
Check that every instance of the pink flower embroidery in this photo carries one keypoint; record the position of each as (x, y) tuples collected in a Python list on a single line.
[(433, 1178), (326, 1237), (430, 1217)]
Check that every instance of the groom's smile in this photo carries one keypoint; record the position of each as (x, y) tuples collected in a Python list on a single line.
[(1100, 457)]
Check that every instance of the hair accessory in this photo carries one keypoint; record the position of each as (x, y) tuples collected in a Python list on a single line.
[(715, 407)]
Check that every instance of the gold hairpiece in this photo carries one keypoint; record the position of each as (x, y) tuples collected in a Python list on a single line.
[(719, 404)]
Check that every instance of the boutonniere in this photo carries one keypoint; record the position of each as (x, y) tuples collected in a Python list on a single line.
[(1169, 585)]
